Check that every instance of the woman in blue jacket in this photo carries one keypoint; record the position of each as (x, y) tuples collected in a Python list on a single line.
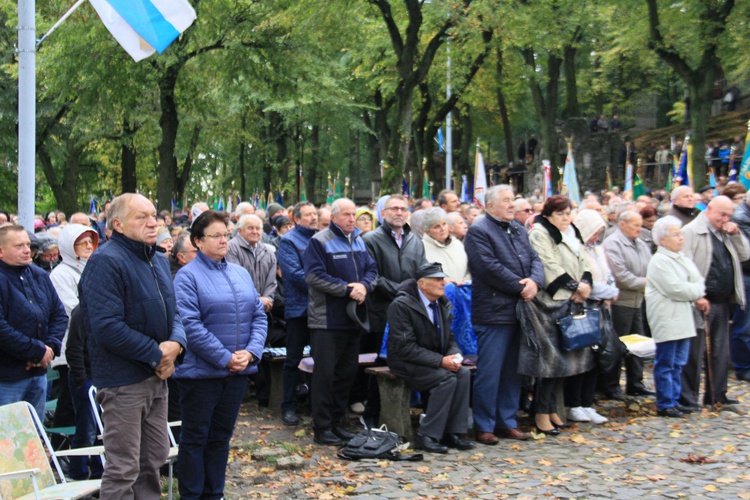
[(226, 328)]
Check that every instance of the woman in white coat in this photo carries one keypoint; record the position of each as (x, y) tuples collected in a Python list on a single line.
[(674, 286)]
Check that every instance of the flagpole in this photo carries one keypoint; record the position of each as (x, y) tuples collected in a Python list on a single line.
[(62, 20), (26, 112)]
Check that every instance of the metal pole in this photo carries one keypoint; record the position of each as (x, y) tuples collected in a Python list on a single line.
[(26, 112), (448, 134)]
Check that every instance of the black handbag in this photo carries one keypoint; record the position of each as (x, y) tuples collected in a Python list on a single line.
[(611, 349), (580, 330)]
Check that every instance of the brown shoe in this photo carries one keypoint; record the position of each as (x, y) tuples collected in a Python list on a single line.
[(512, 434), (486, 438)]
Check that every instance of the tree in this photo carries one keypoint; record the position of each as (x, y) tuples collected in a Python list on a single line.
[(695, 57)]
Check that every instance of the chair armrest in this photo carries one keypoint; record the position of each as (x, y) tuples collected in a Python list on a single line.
[(19, 474), (81, 452)]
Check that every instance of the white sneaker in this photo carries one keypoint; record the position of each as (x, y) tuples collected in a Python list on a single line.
[(578, 414), (594, 416)]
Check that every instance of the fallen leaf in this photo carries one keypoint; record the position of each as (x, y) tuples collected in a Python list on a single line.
[(710, 487), (545, 462), (697, 459), (675, 434), (424, 469), (726, 480)]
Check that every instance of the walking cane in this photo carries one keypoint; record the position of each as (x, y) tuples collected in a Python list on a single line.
[(709, 363)]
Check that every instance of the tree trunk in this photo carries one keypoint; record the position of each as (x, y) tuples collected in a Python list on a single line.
[(65, 191), (169, 123), (507, 132), (312, 172), (128, 160), (571, 88), (243, 147)]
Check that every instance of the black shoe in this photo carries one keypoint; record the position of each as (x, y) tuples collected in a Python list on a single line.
[(326, 437), (289, 417), (731, 401), (302, 390), (456, 441), (616, 395), (343, 433), (672, 412), (688, 408), (551, 432), (429, 444), (639, 391)]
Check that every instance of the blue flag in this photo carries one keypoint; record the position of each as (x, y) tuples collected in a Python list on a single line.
[(744, 176), (570, 179)]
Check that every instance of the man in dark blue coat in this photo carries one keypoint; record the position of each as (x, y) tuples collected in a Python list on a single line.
[(338, 271), (128, 303), (504, 269), (32, 322)]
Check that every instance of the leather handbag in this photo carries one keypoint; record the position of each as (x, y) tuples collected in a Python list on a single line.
[(580, 329)]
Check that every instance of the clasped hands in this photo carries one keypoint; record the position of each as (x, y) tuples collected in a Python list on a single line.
[(49, 355)]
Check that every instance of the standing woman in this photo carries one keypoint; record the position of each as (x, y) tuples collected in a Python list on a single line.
[(226, 329), (673, 285), (567, 277)]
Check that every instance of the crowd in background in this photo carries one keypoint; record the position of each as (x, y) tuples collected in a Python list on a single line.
[(132, 301)]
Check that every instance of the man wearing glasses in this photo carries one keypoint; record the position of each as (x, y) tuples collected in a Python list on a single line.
[(522, 210)]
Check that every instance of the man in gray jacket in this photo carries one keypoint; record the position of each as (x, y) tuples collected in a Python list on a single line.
[(628, 258), (717, 247), (247, 250)]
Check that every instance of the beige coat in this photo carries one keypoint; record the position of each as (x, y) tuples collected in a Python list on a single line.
[(558, 260), (674, 283), (698, 249)]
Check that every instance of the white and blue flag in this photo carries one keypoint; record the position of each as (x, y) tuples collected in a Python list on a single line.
[(143, 27)]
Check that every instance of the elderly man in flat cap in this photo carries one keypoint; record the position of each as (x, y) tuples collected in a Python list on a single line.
[(422, 350)]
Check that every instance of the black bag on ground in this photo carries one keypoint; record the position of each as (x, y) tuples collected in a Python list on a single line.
[(375, 443), (611, 349)]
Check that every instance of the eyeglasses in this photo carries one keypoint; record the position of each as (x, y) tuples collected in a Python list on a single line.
[(527, 210), (87, 242), (218, 236), (364, 219), (398, 209)]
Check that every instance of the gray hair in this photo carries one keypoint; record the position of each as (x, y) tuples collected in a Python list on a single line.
[(452, 217), (247, 218), (662, 226), (119, 209), (493, 193), (336, 206), (517, 204), (240, 209), (179, 243), (432, 216), (627, 215), (676, 191)]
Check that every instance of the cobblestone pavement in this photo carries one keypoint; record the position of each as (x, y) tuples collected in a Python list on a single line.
[(636, 454)]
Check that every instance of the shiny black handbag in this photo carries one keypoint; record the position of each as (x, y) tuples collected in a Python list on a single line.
[(580, 329)]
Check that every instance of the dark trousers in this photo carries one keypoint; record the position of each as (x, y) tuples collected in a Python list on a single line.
[(625, 320), (82, 468), (448, 407), (297, 337), (210, 411), (579, 390), (336, 355), (716, 380), (65, 414), (740, 338), (545, 397)]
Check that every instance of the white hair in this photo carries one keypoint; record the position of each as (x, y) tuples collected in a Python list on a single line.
[(493, 193), (240, 209), (431, 217), (662, 227), (247, 218)]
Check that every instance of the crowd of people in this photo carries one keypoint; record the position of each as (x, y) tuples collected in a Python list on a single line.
[(167, 315)]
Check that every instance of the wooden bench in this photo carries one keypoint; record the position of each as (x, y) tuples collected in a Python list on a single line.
[(395, 400), (307, 364)]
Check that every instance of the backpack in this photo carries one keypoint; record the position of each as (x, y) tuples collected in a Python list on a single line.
[(375, 443)]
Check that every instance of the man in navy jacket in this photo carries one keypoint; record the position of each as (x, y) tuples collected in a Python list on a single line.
[(136, 336), (338, 270), (505, 269), (32, 322)]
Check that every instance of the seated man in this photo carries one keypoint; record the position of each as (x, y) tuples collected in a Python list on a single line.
[(421, 350)]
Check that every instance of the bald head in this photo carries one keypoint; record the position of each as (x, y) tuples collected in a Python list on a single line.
[(719, 211), (682, 196)]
